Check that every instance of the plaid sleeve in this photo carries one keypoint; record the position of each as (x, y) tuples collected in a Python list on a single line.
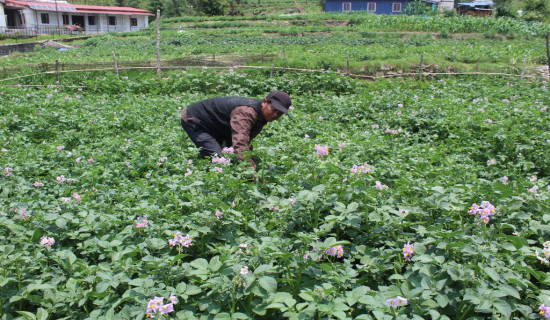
[(242, 121)]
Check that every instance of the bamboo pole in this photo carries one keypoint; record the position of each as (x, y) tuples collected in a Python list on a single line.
[(158, 43), (116, 65)]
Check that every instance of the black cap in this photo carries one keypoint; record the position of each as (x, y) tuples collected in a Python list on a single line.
[(280, 100)]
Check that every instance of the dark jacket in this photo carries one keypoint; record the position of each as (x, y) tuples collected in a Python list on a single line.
[(214, 115)]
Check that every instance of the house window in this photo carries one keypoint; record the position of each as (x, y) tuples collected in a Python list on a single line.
[(112, 21), (133, 22), (45, 18), (346, 6), (91, 20), (65, 19), (396, 7), (371, 6)]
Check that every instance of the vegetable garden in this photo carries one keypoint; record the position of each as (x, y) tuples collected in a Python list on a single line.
[(387, 200)]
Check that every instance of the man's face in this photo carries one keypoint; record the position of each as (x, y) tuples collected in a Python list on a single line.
[(270, 113)]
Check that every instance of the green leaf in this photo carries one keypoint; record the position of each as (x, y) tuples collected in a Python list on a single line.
[(510, 290), (200, 263), (503, 307), (27, 315), (102, 286), (268, 283), (42, 314)]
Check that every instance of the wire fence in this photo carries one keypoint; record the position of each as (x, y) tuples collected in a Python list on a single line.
[(241, 62), (235, 65)]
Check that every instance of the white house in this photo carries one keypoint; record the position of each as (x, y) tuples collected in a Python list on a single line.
[(47, 16)]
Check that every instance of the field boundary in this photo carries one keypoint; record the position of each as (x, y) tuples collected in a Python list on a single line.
[(312, 71)]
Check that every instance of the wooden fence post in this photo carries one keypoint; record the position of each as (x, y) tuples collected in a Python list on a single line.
[(347, 62), (116, 65), (158, 43), (523, 67), (548, 52), (284, 53), (272, 67), (477, 70), (56, 71), (421, 66)]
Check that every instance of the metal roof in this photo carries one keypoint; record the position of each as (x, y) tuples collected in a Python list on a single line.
[(476, 4)]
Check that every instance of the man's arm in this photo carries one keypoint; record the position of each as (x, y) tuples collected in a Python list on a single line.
[(242, 120)]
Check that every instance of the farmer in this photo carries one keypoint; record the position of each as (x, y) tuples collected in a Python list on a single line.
[(233, 120)]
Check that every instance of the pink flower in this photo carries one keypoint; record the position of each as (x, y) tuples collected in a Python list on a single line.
[(244, 270), (408, 250), (47, 241), (60, 148), (321, 150), (218, 214)]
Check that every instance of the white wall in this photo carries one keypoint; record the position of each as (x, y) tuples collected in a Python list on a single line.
[(2, 16)]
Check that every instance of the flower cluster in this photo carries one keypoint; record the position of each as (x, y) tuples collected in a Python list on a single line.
[(186, 241), (218, 214), (321, 150), (74, 27), (396, 302), (504, 180), (47, 241), (77, 197), (380, 186), (62, 179), (228, 150), (336, 251), (161, 161), (188, 173), (393, 131), (544, 311), (241, 247), (156, 306), (273, 208), (364, 168), (142, 222), (546, 252), (484, 211), (244, 270), (23, 213), (408, 250), (220, 160), (8, 171)]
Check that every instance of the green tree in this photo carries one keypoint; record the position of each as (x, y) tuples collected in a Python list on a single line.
[(212, 7), (174, 8), (155, 5), (536, 10), (505, 8)]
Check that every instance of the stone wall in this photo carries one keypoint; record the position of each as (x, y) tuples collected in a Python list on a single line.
[(6, 49)]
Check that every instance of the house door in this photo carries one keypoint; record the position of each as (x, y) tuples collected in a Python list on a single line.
[(79, 21), (14, 19)]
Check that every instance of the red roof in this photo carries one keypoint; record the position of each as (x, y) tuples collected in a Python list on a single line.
[(80, 8)]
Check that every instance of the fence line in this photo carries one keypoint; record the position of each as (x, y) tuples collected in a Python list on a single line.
[(351, 75)]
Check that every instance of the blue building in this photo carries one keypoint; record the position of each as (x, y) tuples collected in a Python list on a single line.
[(374, 6)]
